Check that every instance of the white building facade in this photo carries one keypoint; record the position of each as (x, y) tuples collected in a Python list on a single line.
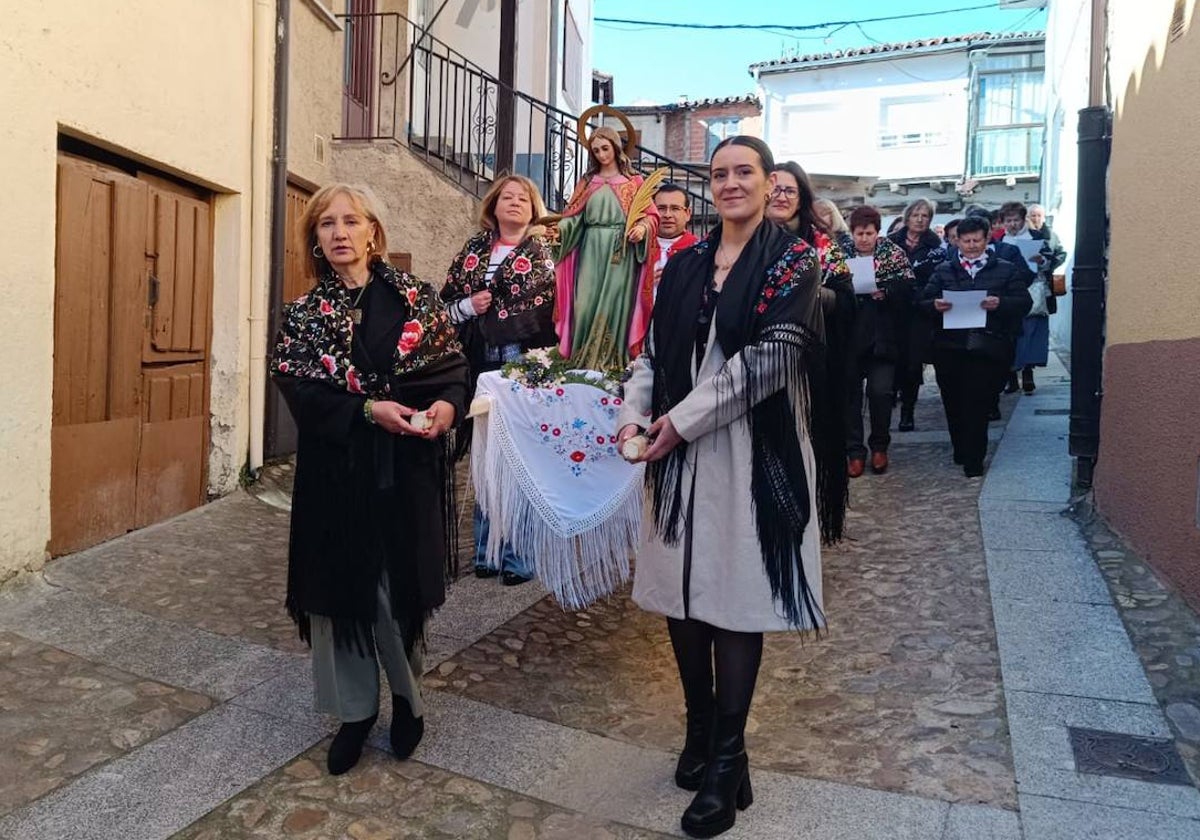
[(957, 120)]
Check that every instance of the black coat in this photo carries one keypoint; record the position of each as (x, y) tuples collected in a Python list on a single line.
[(998, 278), (365, 501), (914, 326), (877, 322)]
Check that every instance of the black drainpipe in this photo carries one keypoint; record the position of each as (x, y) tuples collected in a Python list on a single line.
[(1088, 287), (279, 231)]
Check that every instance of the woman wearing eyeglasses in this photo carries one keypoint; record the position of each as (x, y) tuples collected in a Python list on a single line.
[(729, 392), (792, 204)]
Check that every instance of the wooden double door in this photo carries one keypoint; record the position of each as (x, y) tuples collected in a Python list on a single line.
[(132, 326)]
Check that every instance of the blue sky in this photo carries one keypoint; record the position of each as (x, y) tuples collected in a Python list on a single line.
[(661, 65)]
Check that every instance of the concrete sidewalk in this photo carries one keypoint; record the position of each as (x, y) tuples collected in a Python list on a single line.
[(152, 687)]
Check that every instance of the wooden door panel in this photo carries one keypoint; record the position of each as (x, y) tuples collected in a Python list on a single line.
[(170, 465), (170, 477), (93, 482), (99, 301), (297, 279), (181, 265)]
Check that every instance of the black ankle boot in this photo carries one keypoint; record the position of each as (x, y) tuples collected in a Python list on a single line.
[(347, 746), (689, 770), (1027, 383), (726, 786), (907, 423), (407, 728)]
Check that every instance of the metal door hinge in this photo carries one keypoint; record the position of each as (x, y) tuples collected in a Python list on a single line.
[(153, 290)]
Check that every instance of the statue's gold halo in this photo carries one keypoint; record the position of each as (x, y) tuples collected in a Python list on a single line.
[(608, 111)]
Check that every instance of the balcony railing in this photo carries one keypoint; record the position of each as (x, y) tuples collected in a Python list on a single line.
[(469, 125), (1007, 151)]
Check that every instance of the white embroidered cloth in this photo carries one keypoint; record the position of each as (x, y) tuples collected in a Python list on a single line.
[(548, 474)]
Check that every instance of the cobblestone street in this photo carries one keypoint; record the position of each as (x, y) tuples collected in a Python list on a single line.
[(154, 687)]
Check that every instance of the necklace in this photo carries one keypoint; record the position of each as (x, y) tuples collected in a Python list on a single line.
[(355, 309), (727, 263)]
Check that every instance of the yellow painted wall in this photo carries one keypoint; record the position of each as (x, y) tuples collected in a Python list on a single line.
[(164, 83), (1154, 293)]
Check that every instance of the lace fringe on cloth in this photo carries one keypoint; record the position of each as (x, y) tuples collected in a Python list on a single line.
[(578, 560)]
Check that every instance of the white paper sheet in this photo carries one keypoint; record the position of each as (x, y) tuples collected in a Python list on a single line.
[(965, 310), (1029, 249), (862, 270)]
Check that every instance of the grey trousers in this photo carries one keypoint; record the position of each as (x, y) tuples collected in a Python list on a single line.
[(347, 684)]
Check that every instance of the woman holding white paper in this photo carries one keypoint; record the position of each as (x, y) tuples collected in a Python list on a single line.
[(1033, 347), (972, 361), (883, 284)]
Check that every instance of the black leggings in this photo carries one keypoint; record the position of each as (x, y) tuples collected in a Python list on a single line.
[(698, 647)]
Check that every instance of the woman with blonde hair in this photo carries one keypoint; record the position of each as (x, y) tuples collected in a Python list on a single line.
[(829, 218), (605, 261), (372, 373), (500, 293)]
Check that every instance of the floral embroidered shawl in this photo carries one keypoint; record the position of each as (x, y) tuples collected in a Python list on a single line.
[(317, 333), (523, 281)]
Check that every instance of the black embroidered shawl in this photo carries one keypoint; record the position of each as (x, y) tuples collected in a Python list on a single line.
[(366, 501), (769, 300)]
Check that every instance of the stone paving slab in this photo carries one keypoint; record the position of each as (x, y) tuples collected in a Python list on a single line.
[(216, 665), (1046, 576), (384, 799), (903, 695), (1024, 530), (63, 715), (166, 784), (231, 586), (1045, 818), (1074, 649), (1045, 761), (616, 780)]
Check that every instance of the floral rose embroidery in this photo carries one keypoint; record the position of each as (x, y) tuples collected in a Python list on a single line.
[(326, 308), (284, 367), (538, 301), (577, 456), (522, 265), (502, 314), (410, 337), (470, 262), (515, 289), (353, 384), (329, 363), (411, 294)]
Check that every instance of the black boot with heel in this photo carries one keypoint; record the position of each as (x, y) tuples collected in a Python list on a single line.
[(725, 789), (689, 770)]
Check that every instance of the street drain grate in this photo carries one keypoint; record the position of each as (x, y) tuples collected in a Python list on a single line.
[(1128, 756), (1054, 411)]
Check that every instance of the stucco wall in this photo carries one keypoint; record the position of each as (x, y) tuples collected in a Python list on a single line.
[(423, 213), (315, 70), (165, 83), (1147, 471)]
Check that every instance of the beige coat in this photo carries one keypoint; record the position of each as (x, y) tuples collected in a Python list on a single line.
[(728, 586)]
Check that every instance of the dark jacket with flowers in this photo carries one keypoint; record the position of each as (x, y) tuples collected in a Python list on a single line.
[(366, 502), (522, 310), (875, 323)]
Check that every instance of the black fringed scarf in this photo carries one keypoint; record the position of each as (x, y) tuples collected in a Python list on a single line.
[(769, 302), (357, 487)]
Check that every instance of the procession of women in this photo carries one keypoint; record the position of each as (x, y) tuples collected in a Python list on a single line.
[(635, 402)]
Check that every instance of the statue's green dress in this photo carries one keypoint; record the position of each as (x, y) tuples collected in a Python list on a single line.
[(604, 294)]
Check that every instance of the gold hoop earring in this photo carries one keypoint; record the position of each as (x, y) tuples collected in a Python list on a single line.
[(371, 247), (317, 252)]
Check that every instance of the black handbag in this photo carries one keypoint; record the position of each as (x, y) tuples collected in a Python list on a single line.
[(998, 348)]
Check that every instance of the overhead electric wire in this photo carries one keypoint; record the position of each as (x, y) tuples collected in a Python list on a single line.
[(665, 24)]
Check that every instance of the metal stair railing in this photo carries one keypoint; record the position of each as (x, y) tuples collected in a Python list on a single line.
[(448, 110)]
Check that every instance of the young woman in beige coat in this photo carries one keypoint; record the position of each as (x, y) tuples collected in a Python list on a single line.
[(726, 392)]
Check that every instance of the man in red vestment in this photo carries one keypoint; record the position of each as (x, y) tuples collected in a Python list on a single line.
[(674, 213)]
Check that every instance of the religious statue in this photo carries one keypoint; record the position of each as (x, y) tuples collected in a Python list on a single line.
[(605, 257)]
